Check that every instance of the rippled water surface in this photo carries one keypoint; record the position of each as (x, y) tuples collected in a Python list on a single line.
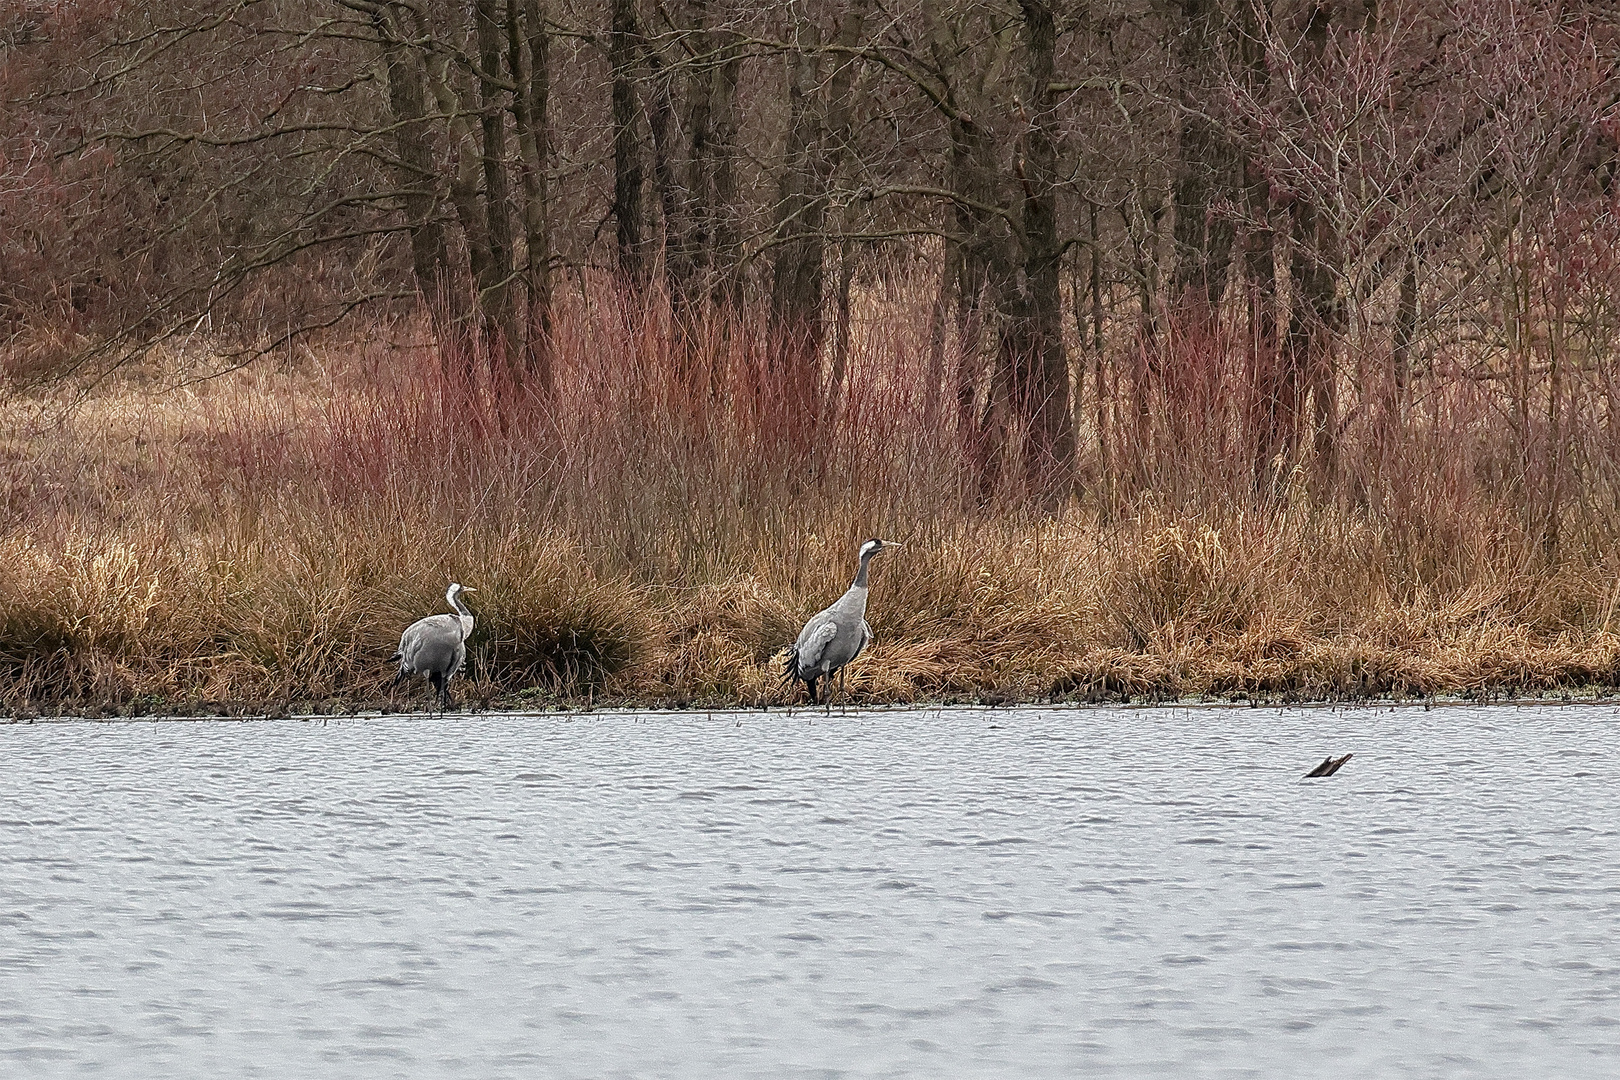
[(1024, 893)]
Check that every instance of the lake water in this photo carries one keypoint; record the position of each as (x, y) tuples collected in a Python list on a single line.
[(1015, 893)]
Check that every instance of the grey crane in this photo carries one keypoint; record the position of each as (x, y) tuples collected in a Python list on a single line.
[(437, 645), (835, 636)]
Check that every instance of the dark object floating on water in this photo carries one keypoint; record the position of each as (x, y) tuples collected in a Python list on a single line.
[(1329, 766)]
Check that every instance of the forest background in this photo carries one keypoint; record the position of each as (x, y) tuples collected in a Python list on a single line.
[(1212, 348)]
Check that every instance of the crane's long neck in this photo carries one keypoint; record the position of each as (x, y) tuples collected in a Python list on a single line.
[(463, 614), (860, 575)]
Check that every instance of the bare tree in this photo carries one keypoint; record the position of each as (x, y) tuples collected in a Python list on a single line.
[(1342, 187)]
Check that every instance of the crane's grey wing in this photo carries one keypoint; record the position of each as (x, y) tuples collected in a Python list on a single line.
[(406, 654), (846, 645), (431, 644), (813, 627), (813, 642), (866, 639)]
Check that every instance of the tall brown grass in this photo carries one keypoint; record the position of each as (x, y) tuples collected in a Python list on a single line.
[(657, 528)]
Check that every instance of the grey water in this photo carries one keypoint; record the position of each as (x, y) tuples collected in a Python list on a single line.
[(1017, 893)]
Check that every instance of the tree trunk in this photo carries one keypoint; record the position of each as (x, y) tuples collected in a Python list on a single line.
[(721, 202), (796, 270), (408, 107), (495, 289), (937, 322), (970, 290), (1313, 329), (841, 331), (1099, 381), (978, 235), (818, 133), (1316, 317), (628, 177), (1207, 167), (985, 274), (463, 193), (1273, 393), (526, 28), (1406, 319), (1049, 450), (672, 196), (691, 250)]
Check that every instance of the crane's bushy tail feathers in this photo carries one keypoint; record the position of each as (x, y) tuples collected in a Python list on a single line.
[(792, 674)]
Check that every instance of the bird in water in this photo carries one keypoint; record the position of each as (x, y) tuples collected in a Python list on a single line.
[(836, 636), (437, 645), (1329, 767)]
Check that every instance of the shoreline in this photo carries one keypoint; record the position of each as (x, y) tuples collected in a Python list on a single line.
[(1609, 698)]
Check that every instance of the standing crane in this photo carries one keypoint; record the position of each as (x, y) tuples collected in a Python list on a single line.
[(437, 645), (835, 636)]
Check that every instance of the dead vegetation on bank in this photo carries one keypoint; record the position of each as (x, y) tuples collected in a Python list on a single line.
[(657, 530)]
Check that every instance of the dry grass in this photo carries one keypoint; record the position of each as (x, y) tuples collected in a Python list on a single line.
[(659, 530)]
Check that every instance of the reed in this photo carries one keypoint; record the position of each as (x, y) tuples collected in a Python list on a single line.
[(657, 528)]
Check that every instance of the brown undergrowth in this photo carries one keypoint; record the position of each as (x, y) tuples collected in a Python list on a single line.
[(656, 530)]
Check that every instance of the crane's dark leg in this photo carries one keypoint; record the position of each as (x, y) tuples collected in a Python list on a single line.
[(436, 680), (811, 684)]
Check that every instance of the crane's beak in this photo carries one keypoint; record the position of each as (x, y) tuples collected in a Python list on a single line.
[(892, 543), (466, 589)]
